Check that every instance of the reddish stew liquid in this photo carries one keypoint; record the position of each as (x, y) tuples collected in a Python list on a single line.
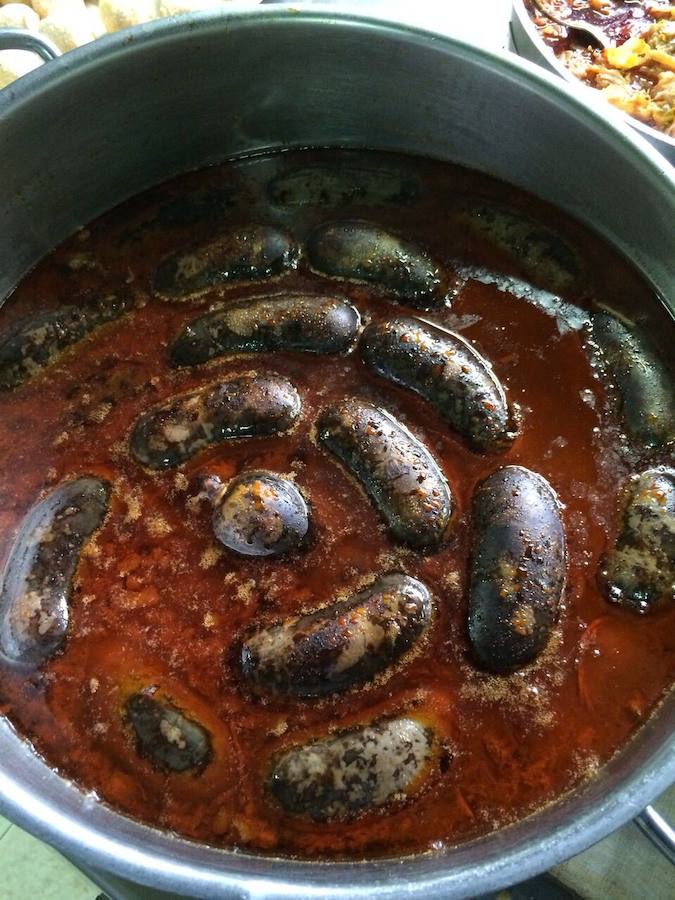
[(157, 601)]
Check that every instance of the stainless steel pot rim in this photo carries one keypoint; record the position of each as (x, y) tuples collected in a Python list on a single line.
[(528, 26), (140, 853), (209, 872)]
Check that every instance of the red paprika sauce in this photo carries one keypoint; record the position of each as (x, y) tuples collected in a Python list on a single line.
[(156, 601)]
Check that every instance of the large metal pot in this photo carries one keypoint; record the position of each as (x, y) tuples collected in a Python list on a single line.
[(106, 121)]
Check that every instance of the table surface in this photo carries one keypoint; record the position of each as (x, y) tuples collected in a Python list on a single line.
[(625, 866)]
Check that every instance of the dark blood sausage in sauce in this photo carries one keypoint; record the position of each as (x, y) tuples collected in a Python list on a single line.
[(37, 580), (305, 322), (542, 253), (341, 645), (517, 570), (248, 253), (401, 477), (355, 772), (326, 187), (360, 251), (645, 388), (36, 341), (191, 208), (165, 737), (444, 369), (258, 513), (639, 571), (247, 405)]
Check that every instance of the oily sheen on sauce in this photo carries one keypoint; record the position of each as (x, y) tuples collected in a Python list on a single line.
[(171, 691)]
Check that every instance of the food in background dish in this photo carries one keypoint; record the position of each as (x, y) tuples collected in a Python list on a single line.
[(637, 72)]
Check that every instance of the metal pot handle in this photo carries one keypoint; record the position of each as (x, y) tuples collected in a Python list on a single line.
[(659, 832), (20, 39)]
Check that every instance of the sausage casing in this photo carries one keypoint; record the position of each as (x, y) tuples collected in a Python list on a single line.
[(169, 740), (330, 187), (311, 324), (544, 255), (401, 477), (357, 771), (360, 251), (517, 572), (36, 584), (249, 253), (341, 645), (639, 571), (444, 369), (36, 341), (259, 513), (646, 390), (248, 405)]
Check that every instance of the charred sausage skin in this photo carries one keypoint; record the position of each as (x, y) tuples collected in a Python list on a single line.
[(401, 477), (164, 736), (237, 406), (258, 513), (325, 187), (646, 390), (249, 253), (639, 570), (37, 581), (354, 250), (36, 341), (304, 322), (445, 370), (355, 772), (517, 569), (341, 645)]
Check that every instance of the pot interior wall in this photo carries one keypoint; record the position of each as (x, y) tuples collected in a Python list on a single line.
[(115, 118)]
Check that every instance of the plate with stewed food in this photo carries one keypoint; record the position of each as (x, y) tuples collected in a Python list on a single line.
[(338, 505), (623, 49)]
